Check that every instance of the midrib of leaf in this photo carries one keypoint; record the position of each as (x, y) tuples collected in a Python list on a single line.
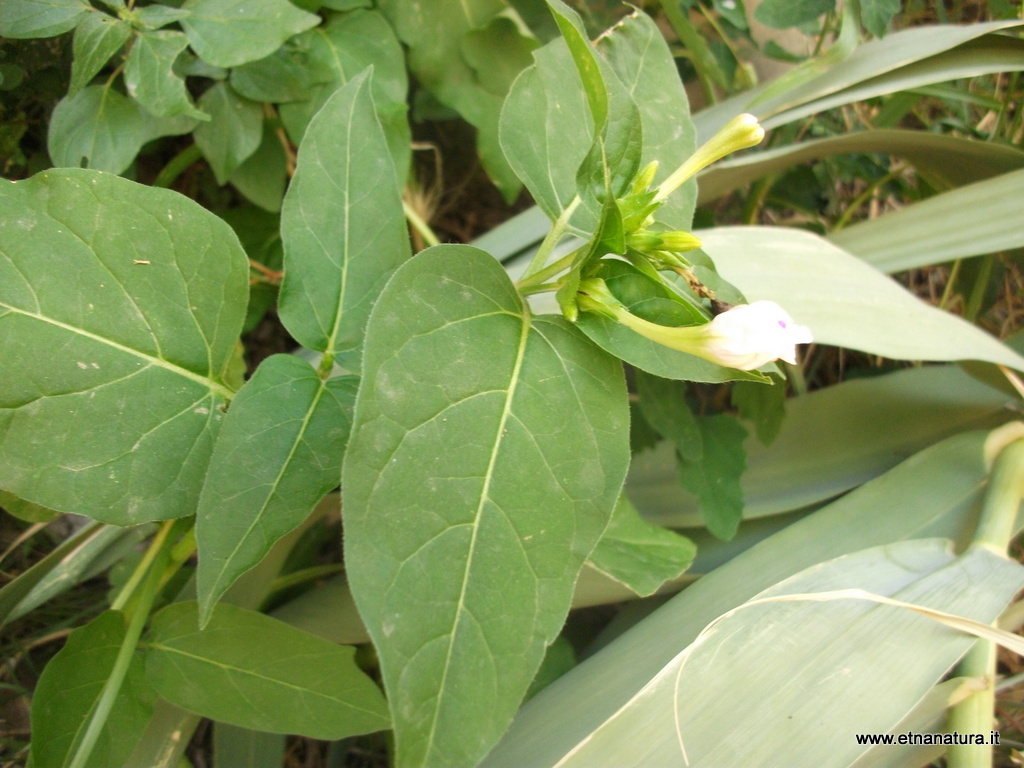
[(256, 675), (273, 488), (484, 495), (347, 215), (334, 52), (210, 384)]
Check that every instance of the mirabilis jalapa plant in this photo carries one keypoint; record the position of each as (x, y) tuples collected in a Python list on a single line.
[(481, 447)]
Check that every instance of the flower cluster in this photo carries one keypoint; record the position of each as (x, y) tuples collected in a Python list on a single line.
[(744, 337)]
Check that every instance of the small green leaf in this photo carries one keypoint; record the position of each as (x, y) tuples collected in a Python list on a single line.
[(283, 76), (278, 453), (67, 692), (782, 14), (40, 18), (764, 405), (497, 53), (338, 51), (150, 77), (25, 510), (96, 128), (140, 299), (583, 56), (97, 38), (876, 15), (663, 404), (485, 460), (342, 225), (256, 672), (233, 133), (715, 477), (264, 174), (546, 131), (639, 554), (156, 16), (227, 33)]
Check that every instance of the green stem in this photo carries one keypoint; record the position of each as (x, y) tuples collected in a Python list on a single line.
[(551, 239), (420, 225), (177, 166), (157, 557), (542, 288), (527, 284), (994, 531)]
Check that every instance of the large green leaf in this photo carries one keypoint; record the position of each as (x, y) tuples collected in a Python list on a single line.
[(40, 18), (97, 38), (832, 440), (970, 221), (342, 226), (486, 456), (256, 672), (68, 691), (97, 128), (936, 492), (227, 33), (338, 51), (151, 79), (751, 672), (844, 301), (233, 132), (120, 308), (278, 453)]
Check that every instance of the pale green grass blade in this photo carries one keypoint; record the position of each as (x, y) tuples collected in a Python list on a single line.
[(831, 440), (936, 491), (739, 694), (906, 59), (981, 218), (844, 301), (927, 717), (947, 161)]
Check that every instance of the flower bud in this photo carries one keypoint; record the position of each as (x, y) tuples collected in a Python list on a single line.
[(739, 133)]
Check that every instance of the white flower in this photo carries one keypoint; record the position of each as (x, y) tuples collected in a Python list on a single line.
[(750, 335)]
